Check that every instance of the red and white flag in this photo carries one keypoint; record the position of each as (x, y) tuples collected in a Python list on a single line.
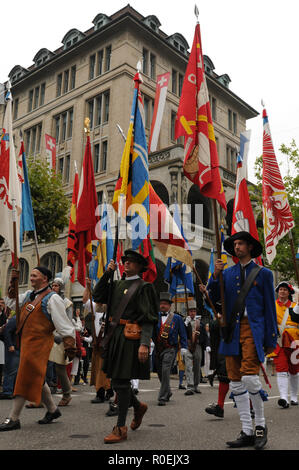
[(160, 99), (194, 122), (72, 239), (243, 217), (277, 215), (51, 151), (10, 186)]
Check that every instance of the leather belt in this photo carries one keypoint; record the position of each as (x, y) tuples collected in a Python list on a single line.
[(121, 321)]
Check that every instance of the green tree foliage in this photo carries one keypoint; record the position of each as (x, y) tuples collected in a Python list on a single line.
[(283, 261), (50, 205)]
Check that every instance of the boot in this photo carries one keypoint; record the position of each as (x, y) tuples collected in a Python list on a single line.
[(138, 415), (118, 434)]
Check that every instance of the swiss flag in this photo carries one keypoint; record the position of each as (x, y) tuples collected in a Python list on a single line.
[(51, 151)]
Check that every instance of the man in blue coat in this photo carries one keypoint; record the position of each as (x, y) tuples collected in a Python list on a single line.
[(169, 331), (253, 333)]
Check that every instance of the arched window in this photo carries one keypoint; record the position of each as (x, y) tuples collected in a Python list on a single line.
[(23, 272), (229, 216), (153, 22), (52, 261), (179, 42), (72, 37), (161, 190), (16, 73), (100, 20), (42, 56), (195, 197)]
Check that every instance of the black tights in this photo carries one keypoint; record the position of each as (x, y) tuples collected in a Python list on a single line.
[(125, 398)]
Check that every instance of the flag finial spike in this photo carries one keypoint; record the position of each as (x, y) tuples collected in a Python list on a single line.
[(138, 66), (196, 11), (263, 103), (87, 126)]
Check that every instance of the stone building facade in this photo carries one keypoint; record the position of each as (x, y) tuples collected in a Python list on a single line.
[(91, 75)]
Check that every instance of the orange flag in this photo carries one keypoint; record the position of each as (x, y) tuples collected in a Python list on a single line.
[(194, 122)]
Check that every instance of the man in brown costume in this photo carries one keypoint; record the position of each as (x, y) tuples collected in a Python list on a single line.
[(42, 311)]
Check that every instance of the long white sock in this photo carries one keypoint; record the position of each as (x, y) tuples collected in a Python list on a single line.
[(294, 387), (253, 385), (241, 398), (283, 385)]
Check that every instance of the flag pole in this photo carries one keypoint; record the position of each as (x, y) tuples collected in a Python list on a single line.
[(15, 260), (294, 255), (218, 244)]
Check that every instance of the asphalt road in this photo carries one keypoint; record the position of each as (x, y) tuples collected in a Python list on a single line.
[(182, 425)]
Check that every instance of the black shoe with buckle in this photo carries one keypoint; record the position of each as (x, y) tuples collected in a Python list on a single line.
[(215, 410), (283, 403), (260, 437), (10, 425), (242, 441), (49, 417)]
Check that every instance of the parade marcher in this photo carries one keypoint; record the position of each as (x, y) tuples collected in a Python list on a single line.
[(169, 331), (197, 341), (3, 321), (218, 366), (133, 311), (12, 357), (57, 355), (287, 368), (42, 312), (98, 378), (251, 328)]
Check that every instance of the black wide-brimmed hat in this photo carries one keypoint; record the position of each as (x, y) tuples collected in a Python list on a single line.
[(166, 297), (256, 251), (286, 284), (132, 255)]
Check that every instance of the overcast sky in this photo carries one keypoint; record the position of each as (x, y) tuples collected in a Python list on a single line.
[(255, 43)]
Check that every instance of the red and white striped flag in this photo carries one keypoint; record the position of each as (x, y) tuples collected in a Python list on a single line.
[(160, 99), (277, 215), (51, 151)]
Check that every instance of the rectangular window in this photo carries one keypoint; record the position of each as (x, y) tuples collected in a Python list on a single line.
[(33, 139), (70, 124), (57, 128), (61, 166), (107, 102), (172, 128), (66, 81), (153, 66), (234, 123), (174, 81), (145, 61), (90, 113), (104, 155), (36, 98), (108, 58), (59, 85), (99, 100), (42, 94), (214, 108), (92, 62), (100, 62), (67, 169), (96, 158), (73, 77), (64, 127), (181, 81), (30, 101), (230, 120)]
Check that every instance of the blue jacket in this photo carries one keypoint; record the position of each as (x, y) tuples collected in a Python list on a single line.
[(260, 306), (177, 329), (10, 332)]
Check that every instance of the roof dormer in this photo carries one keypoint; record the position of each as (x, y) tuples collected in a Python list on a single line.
[(224, 80), (100, 20), (209, 66), (72, 37), (42, 56), (179, 42), (16, 73), (152, 22)]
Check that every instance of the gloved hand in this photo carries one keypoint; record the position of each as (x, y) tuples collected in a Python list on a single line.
[(57, 339), (208, 349)]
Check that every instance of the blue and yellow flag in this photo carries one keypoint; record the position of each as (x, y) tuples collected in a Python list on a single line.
[(103, 252), (212, 265), (133, 182), (223, 252)]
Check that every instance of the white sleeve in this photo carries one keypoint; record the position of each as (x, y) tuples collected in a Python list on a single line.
[(11, 303), (59, 317), (296, 309)]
